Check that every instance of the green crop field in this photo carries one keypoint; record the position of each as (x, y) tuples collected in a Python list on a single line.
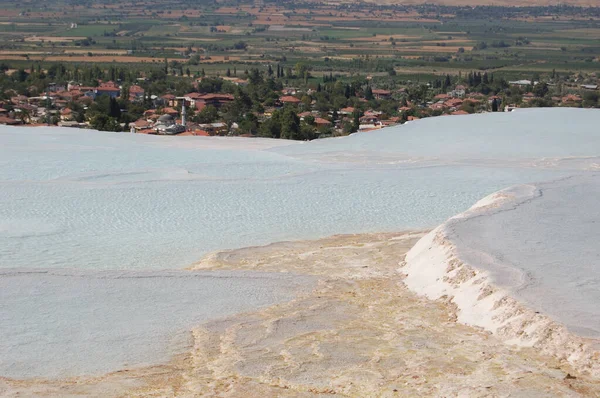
[(424, 40)]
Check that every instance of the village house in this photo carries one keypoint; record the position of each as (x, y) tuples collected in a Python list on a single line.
[(302, 115), (189, 98), (528, 97), (438, 106), (72, 123), (65, 95), (235, 80), (18, 99), (458, 92), (195, 132), (369, 119), (214, 128), (589, 86), (200, 101), (109, 88), (381, 94), (150, 113), (571, 99), (454, 103), (169, 100), (364, 127), (9, 121), (460, 112), (290, 91), (475, 97), (390, 122), (140, 124), (136, 92), (216, 100), (170, 111), (320, 122), (66, 115), (268, 113), (53, 87), (288, 99)]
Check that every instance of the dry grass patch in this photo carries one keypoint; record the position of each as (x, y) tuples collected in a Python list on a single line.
[(53, 39)]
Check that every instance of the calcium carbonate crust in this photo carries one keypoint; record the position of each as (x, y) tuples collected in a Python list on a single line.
[(433, 268)]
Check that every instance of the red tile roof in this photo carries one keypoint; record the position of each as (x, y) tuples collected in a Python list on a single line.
[(461, 112), (571, 98), (198, 133), (289, 99), (380, 92), (170, 111), (107, 88), (189, 95), (322, 121), (9, 120), (218, 97), (453, 102), (136, 89), (141, 123)]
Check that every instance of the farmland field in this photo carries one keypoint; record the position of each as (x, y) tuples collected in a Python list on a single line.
[(338, 38)]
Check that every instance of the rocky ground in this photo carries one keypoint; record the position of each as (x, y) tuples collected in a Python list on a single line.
[(361, 333)]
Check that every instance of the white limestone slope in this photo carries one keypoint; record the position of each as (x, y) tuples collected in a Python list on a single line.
[(520, 302)]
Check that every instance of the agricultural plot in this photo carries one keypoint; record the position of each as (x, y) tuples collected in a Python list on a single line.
[(330, 37)]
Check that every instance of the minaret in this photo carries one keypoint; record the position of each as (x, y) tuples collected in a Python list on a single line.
[(183, 113)]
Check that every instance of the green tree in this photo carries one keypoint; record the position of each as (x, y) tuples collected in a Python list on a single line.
[(271, 128), (125, 92), (591, 99), (208, 114), (194, 59), (114, 110), (290, 125), (301, 69), (307, 132), (250, 124), (105, 123), (540, 89)]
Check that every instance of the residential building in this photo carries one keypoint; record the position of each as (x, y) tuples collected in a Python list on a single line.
[(381, 94)]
